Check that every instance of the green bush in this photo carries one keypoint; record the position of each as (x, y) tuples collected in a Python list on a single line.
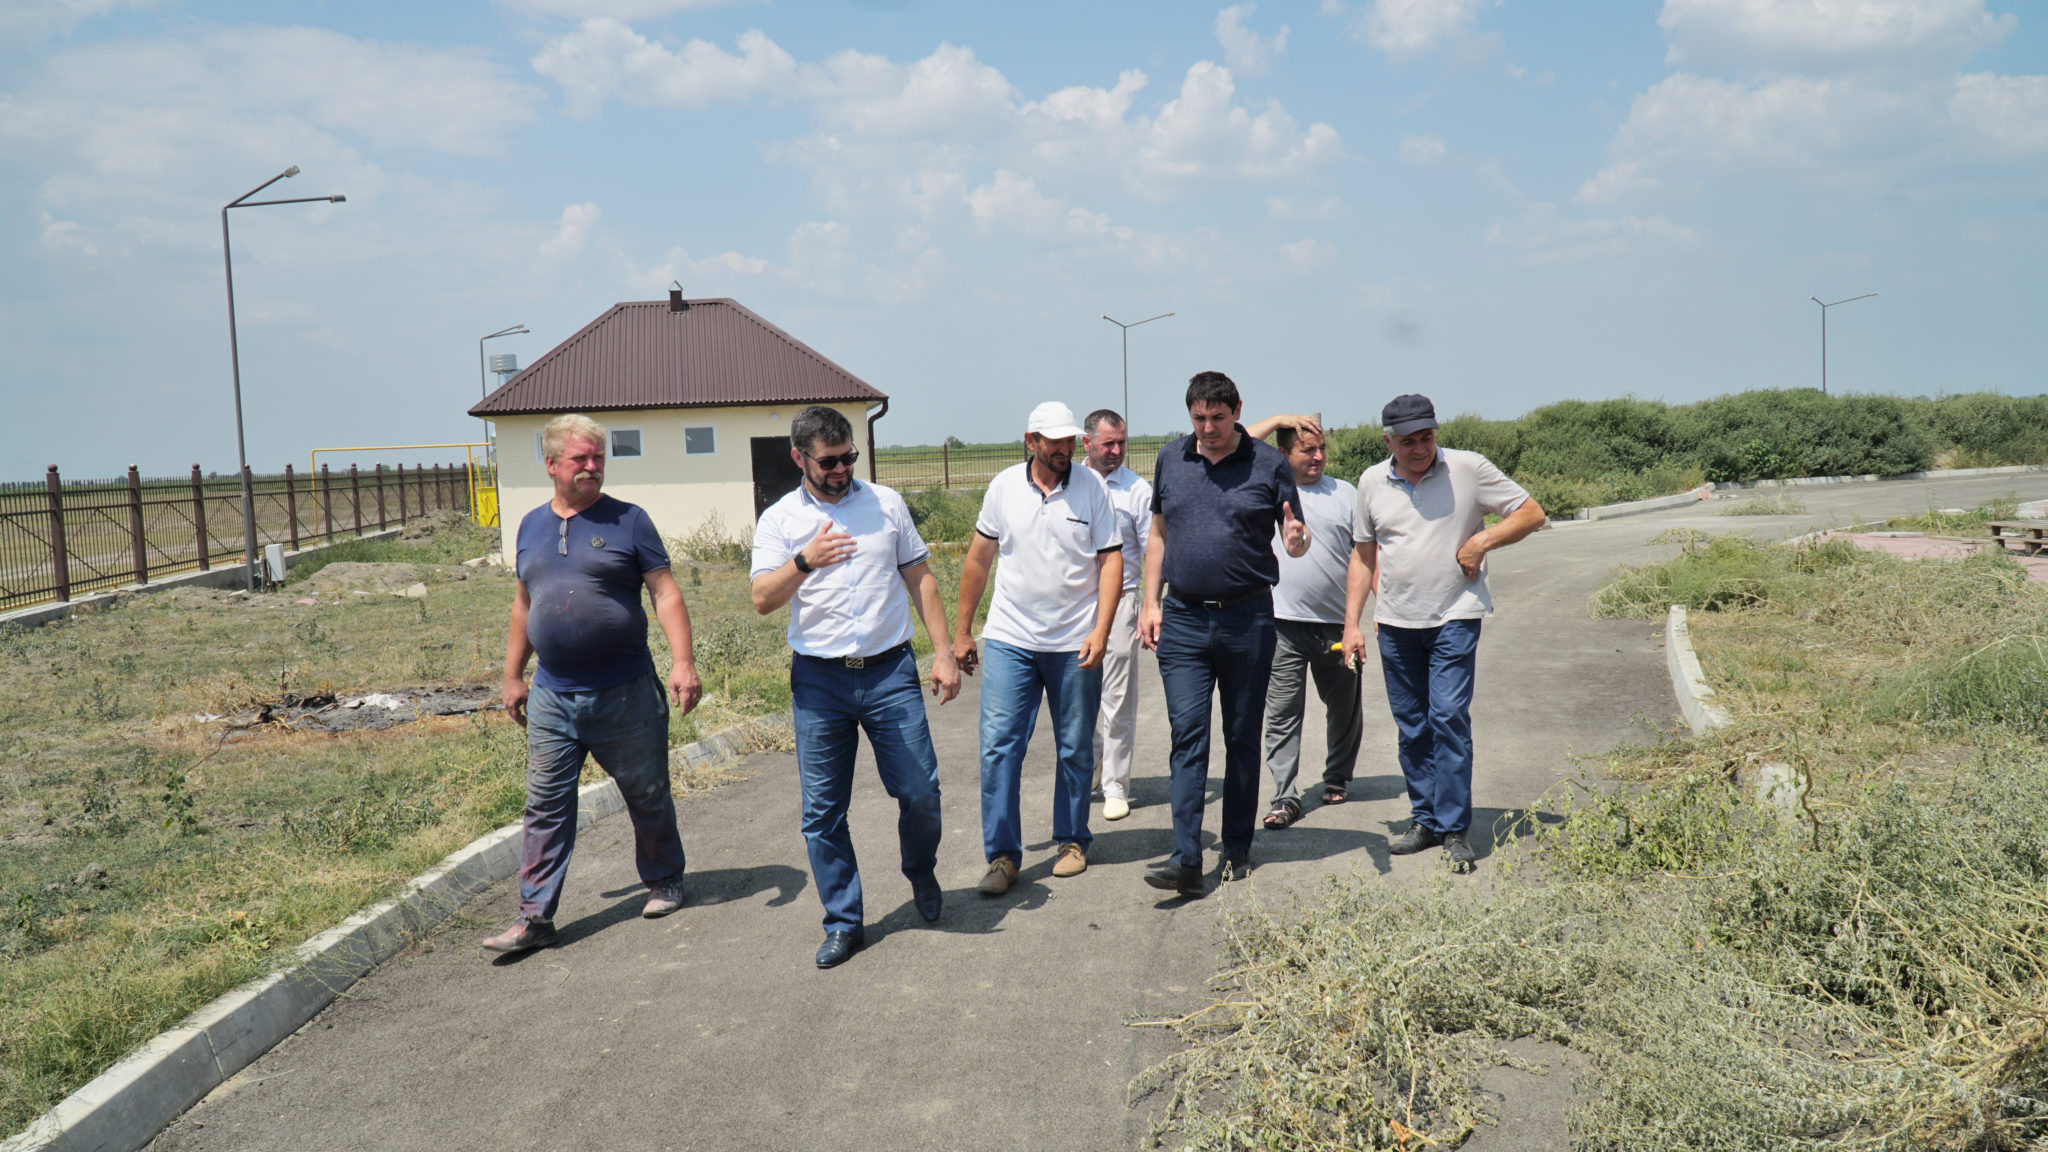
[(942, 516)]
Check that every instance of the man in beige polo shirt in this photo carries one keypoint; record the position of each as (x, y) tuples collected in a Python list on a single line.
[(1419, 545)]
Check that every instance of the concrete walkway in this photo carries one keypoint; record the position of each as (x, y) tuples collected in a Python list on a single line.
[(1003, 1026)]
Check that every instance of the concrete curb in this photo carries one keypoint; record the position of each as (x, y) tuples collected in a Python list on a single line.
[(230, 576), (1687, 681), (1637, 507), (1931, 474), (127, 1105)]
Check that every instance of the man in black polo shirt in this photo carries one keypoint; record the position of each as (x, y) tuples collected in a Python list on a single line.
[(1222, 492)]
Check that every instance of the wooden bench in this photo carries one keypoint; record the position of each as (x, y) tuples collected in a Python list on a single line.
[(2030, 535)]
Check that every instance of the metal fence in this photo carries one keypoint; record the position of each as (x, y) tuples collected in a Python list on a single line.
[(60, 539), (973, 466)]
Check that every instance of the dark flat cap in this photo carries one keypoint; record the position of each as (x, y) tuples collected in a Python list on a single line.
[(1408, 414)]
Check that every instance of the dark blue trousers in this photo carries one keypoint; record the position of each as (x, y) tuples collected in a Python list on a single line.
[(831, 705), (1227, 652), (1429, 675)]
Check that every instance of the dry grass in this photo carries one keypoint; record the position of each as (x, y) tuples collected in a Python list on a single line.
[(1868, 973), (150, 860)]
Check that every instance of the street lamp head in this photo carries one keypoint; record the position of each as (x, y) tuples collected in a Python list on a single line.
[(338, 199), (1816, 300), (292, 171)]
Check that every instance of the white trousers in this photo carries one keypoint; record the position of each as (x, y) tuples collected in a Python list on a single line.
[(1118, 722)]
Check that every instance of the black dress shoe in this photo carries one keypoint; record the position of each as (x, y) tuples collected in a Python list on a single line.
[(1175, 876), (840, 946), (1234, 868), (927, 895), (1415, 839)]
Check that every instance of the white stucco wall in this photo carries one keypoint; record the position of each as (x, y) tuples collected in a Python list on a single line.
[(679, 491)]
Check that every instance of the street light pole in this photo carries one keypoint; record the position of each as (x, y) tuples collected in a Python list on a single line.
[(483, 380), (1824, 334), (235, 360), (1127, 356)]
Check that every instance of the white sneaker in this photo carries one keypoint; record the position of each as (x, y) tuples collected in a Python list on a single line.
[(1115, 807)]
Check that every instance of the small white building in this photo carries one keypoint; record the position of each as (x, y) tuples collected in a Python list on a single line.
[(698, 396)]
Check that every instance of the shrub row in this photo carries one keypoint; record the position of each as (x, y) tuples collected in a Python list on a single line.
[(1579, 452)]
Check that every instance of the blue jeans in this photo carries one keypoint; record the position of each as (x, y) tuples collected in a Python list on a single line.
[(1011, 680), (831, 705), (626, 727), (1227, 652), (1429, 675)]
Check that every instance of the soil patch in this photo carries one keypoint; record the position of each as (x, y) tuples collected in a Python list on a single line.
[(330, 712)]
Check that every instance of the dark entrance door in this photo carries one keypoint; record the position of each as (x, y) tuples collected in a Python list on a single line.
[(775, 474)]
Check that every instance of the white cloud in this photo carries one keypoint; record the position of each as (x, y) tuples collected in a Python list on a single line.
[(947, 115), (142, 109), (24, 22), (1539, 237), (617, 9), (1329, 207), (1305, 256), (573, 233), (604, 59), (1404, 29), (1796, 126), (1422, 151), (2008, 113), (1245, 51), (1819, 35)]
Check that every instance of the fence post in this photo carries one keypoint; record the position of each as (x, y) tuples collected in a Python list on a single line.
[(291, 503), (419, 484), (135, 530), (199, 515), (355, 499), (402, 517), (58, 553), (381, 518), (946, 464), (327, 502)]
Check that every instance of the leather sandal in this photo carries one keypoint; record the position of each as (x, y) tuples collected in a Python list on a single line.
[(1335, 794), (1284, 813)]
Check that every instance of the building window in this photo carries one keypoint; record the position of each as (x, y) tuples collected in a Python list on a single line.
[(539, 456), (625, 443), (700, 441)]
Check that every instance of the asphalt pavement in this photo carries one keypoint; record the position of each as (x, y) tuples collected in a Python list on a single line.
[(1012, 1023)]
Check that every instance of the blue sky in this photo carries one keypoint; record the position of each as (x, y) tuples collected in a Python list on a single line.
[(1499, 204)]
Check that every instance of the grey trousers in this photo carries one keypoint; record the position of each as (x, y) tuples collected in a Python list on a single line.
[(1304, 651)]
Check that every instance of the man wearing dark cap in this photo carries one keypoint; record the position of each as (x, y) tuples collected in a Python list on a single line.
[(1419, 545), (1209, 614)]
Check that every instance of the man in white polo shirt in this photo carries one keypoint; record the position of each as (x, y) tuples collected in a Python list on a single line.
[(1108, 443), (848, 561), (1308, 617), (1419, 538), (1061, 572)]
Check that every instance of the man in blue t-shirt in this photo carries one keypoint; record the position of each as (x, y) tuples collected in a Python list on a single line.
[(582, 559)]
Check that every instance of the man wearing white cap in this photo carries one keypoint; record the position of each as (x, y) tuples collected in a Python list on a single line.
[(1054, 527)]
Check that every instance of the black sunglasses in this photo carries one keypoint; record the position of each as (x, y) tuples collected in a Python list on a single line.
[(828, 463)]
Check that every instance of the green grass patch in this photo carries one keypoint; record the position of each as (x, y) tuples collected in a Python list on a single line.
[(1972, 522), (1763, 504)]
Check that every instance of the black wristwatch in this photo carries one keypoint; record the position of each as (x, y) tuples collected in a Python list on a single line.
[(803, 565)]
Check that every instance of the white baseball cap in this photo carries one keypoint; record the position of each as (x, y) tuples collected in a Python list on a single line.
[(1053, 420)]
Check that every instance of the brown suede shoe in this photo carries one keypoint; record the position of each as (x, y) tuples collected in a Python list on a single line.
[(1002, 872), (1072, 861), (524, 935)]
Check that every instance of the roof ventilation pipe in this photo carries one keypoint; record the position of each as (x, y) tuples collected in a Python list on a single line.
[(675, 299)]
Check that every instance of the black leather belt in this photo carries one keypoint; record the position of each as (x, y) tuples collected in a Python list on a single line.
[(1220, 605), (858, 662)]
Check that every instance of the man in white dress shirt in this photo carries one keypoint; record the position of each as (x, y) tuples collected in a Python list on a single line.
[(1107, 443), (1061, 571), (848, 561)]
